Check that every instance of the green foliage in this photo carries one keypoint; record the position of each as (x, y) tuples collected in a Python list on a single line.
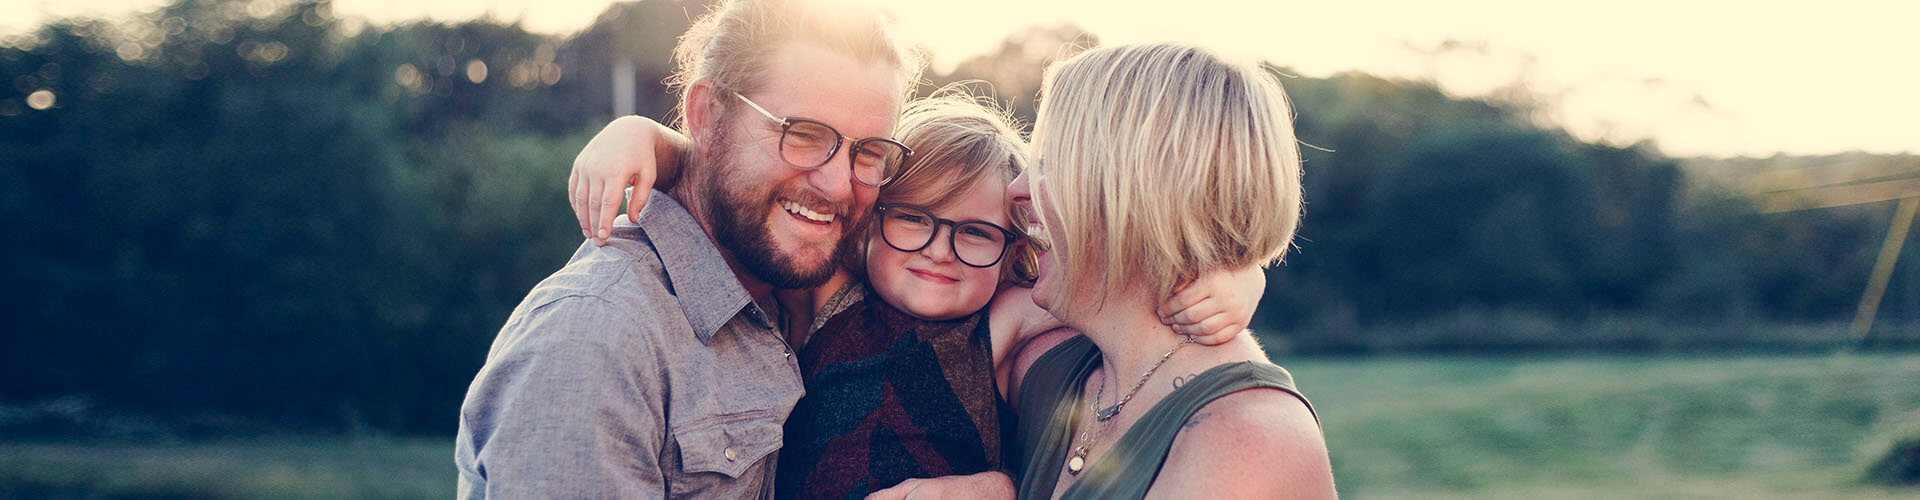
[(263, 215)]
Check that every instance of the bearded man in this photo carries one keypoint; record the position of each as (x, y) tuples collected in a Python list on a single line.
[(654, 366)]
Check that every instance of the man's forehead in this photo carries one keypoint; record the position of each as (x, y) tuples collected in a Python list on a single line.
[(807, 80)]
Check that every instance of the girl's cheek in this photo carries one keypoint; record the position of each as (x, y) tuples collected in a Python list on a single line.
[(982, 283)]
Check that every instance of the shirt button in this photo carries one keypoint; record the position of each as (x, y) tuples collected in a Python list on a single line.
[(787, 354), (729, 453)]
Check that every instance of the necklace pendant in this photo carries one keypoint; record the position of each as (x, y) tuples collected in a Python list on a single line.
[(1075, 464), (1107, 413)]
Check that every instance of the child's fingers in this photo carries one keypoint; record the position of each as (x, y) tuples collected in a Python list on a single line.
[(1194, 313), (1183, 298), (593, 208), (1214, 330), (610, 197), (636, 200), (642, 182), (577, 198)]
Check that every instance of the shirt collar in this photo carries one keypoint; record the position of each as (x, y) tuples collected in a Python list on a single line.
[(699, 277)]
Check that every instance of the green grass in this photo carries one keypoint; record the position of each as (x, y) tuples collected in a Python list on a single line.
[(290, 468), (1747, 427), (1785, 427)]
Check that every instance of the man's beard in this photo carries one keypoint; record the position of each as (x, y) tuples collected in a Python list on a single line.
[(738, 214)]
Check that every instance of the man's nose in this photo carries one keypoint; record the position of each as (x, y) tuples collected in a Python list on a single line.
[(834, 180)]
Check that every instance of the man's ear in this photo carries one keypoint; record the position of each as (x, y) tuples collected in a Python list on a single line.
[(702, 111)]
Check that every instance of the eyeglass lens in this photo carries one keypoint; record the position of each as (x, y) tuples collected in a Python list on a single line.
[(978, 244), (810, 144)]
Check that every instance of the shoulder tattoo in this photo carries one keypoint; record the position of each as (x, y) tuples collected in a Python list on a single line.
[(1194, 421), (1182, 380)]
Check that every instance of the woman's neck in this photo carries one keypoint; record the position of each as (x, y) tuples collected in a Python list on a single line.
[(1132, 341)]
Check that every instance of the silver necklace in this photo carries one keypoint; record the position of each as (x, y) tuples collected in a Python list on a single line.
[(1078, 461)]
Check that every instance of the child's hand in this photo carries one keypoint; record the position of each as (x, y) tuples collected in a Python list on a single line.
[(990, 484), (1217, 306), (631, 151)]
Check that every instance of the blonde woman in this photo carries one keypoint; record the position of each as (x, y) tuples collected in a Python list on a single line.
[(1155, 162)]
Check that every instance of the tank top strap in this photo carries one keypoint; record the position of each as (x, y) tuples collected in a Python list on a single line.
[(1048, 395), (1129, 468)]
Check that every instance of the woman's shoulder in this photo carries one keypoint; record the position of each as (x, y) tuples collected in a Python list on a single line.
[(1252, 440), (1061, 345)]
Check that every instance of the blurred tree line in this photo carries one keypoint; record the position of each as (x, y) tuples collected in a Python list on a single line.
[(259, 208)]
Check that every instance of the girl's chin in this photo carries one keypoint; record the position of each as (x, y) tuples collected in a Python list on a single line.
[(932, 316), (945, 308)]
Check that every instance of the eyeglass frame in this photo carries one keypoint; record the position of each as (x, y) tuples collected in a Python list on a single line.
[(952, 225), (852, 165)]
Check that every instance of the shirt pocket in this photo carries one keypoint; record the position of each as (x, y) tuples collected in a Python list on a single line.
[(728, 444)]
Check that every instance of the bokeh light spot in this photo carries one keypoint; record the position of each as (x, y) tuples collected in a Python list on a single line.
[(476, 71), (130, 51), (273, 52), (408, 76), (40, 99)]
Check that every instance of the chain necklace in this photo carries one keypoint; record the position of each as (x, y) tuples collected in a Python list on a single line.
[(1078, 461)]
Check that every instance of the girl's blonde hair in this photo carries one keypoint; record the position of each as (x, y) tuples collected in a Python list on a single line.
[(960, 140), (1163, 161)]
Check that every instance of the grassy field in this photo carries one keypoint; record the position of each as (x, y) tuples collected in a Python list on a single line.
[(289, 468), (1787, 427), (1749, 427)]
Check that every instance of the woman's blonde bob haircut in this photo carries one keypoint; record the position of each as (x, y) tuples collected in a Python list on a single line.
[(1164, 161)]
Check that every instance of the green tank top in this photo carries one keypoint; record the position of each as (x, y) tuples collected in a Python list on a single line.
[(1050, 401)]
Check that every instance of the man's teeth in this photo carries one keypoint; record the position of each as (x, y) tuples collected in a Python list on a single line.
[(796, 209)]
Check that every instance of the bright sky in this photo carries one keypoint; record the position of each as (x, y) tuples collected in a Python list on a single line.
[(1700, 77)]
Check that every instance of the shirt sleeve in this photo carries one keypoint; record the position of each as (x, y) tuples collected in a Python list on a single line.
[(559, 411)]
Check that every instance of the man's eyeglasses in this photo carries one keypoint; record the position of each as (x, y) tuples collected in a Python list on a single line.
[(976, 243), (808, 144)]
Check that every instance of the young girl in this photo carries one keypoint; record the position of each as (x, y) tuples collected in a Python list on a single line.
[(906, 386)]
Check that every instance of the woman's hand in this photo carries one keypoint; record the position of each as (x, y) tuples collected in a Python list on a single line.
[(985, 485), (1217, 306), (631, 151)]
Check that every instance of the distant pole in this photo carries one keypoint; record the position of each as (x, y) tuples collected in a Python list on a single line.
[(1883, 269), (623, 92)]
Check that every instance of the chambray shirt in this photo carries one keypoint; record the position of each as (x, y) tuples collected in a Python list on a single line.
[(642, 369)]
